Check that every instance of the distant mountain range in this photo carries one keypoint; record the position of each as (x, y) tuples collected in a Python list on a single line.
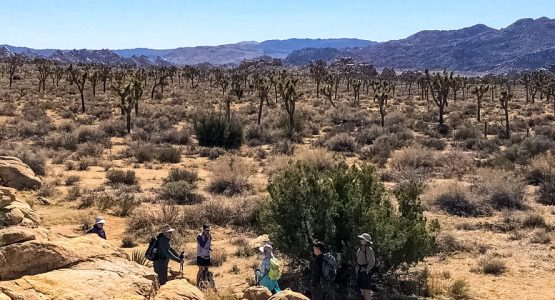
[(527, 43)]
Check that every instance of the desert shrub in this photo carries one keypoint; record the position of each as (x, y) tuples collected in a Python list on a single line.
[(380, 151), (342, 142), (501, 189), (58, 140), (283, 147), (530, 147), (115, 177), (492, 266), (168, 155), (455, 199), (113, 128), (47, 189), (73, 193), (171, 136), (72, 180), (367, 136), (89, 149), (433, 143), (547, 131), (546, 194), (180, 174), (534, 220), (213, 130), (181, 192), (218, 258), (459, 290), (541, 237), (447, 243), (211, 153), (224, 211), (306, 203), (415, 157), (230, 177), (540, 168), (35, 160), (466, 132), (128, 241), (257, 136), (7, 109), (89, 134), (142, 152), (456, 164), (84, 164), (344, 115), (483, 145)]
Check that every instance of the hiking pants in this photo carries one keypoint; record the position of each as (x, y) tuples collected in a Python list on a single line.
[(161, 269), (323, 292)]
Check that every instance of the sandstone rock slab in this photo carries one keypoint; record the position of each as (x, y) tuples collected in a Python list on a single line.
[(179, 289), (16, 174)]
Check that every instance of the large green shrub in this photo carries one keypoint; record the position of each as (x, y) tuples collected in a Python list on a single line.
[(338, 204), (214, 130)]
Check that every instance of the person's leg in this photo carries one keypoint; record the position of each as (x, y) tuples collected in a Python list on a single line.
[(199, 274), (317, 293), (329, 292), (161, 269)]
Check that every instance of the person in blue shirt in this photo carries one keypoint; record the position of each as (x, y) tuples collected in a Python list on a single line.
[(262, 274), (98, 228)]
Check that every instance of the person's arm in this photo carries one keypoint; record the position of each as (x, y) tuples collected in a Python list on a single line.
[(370, 257), (174, 255), (165, 250), (202, 242)]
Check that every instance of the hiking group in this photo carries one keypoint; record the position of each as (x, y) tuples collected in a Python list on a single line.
[(324, 265)]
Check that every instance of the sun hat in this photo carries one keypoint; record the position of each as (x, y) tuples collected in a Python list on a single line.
[(166, 228), (266, 246), (99, 220), (366, 237)]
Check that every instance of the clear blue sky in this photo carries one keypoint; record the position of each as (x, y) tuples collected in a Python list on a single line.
[(116, 24)]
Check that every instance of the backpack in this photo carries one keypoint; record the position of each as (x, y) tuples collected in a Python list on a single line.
[(329, 268), (274, 272), (151, 251)]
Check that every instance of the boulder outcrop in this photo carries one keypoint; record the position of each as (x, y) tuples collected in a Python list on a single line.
[(15, 212), (179, 289), (16, 174)]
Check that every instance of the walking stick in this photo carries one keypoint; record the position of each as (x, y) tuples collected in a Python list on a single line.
[(181, 265)]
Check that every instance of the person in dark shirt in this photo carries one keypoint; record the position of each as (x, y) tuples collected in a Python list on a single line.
[(164, 252), (320, 290), (98, 227)]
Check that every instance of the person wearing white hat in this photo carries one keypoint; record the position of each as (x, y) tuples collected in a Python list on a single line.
[(164, 252), (365, 263), (98, 227), (269, 272)]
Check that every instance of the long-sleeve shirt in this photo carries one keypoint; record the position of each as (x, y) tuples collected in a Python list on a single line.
[(164, 249), (317, 270), (99, 231), (365, 258)]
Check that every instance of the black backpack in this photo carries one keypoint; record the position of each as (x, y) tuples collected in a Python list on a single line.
[(329, 268), (151, 252)]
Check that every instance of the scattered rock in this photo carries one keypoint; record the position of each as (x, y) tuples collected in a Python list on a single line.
[(98, 278), (14, 173), (179, 289), (15, 234), (289, 295), (43, 201), (257, 293)]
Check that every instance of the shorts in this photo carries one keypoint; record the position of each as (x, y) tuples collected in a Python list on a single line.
[(203, 262), (364, 280)]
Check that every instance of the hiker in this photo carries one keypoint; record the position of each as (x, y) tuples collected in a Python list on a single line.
[(98, 227), (164, 252), (321, 286), (204, 249), (365, 263), (269, 272)]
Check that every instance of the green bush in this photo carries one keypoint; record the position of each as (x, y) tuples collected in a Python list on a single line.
[(179, 174), (168, 155), (121, 177), (213, 130), (181, 192), (338, 204), (547, 191)]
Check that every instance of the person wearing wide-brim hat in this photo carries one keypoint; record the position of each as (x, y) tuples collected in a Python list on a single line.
[(365, 263), (98, 227), (164, 252), (263, 274)]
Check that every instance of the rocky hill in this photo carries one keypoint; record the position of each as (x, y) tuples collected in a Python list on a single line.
[(527, 43)]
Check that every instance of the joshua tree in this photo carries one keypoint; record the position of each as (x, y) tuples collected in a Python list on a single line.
[(192, 73), (44, 70), (480, 91), (382, 94), (318, 73), (262, 85), (160, 77), (129, 94), (456, 86), (356, 84), (104, 74), (13, 63), (57, 74), (505, 98), (410, 78), (551, 93), (439, 85), (79, 77), (330, 89), (93, 78), (237, 89), (288, 92)]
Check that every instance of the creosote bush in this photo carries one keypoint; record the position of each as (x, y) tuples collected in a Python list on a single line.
[(214, 130), (307, 203), (115, 177), (230, 177), (501, 189)]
